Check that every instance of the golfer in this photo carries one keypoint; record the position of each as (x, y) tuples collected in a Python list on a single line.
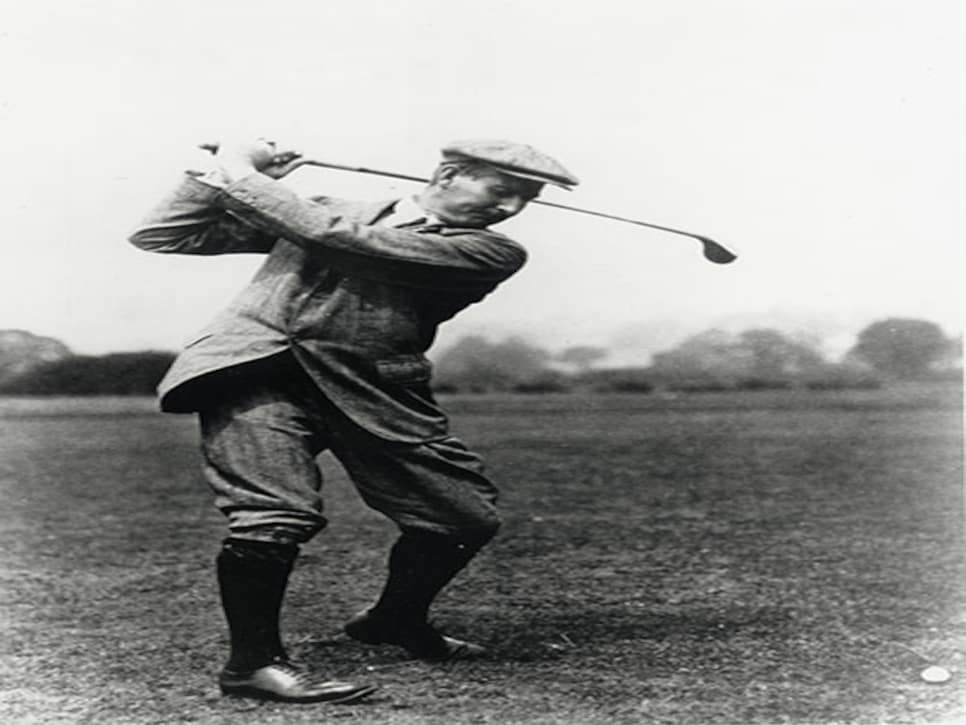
[(324, 350)]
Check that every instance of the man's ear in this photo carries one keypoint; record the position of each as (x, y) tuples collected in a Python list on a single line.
[(445, 176)]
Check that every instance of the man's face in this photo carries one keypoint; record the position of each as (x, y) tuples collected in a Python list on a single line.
[(481, 198)]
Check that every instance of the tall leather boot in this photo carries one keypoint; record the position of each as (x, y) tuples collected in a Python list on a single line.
[(420, 564), (252, 576)]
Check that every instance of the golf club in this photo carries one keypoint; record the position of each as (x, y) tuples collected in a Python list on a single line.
[(713, 251)]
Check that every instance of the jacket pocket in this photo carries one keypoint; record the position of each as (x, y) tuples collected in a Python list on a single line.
[(402, 369)]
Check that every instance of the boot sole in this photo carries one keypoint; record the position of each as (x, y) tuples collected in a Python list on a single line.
[(259, 694), (458, 654)]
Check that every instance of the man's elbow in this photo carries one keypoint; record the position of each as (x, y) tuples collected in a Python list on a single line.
[(151, 239), (146, 241), (142, 239)]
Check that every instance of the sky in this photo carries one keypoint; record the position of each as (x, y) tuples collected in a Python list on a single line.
[(821, 140)]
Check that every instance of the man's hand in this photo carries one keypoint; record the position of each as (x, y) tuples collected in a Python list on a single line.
[(237, 160)]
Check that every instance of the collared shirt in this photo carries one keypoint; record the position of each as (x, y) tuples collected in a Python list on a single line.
[(407, 212)]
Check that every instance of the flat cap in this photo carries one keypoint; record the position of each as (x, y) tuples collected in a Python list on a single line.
[(515, 159)]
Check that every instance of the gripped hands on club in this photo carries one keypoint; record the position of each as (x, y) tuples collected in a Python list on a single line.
[(239, 159)]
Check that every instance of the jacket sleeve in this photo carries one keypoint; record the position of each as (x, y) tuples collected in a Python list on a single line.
[(190, 221), (429, 257)]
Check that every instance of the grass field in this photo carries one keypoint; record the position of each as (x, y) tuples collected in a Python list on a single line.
[(719, 558)]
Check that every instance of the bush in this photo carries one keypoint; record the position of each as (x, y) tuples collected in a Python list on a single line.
[(446, 387), (548, 381), (126, 373), (618, 380), (843, 377), (763, 384), (709, 386), (832, 384)]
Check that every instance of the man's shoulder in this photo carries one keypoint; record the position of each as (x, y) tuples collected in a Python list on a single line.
[(487, 236), (487, 244), (363, 210)]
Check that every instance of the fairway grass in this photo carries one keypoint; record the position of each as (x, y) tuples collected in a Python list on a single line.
[(771, 557)]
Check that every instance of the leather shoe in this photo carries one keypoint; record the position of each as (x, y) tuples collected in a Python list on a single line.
[(421, 640), (287, 681)]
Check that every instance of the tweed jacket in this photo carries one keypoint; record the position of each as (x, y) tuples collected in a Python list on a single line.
[(358, 304)]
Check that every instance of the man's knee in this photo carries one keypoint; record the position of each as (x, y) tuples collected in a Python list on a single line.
[(481, 535), (475, 528), (276, 529), (474, 535)]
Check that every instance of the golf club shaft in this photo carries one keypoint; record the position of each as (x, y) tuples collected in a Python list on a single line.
[(713, 251), (621, 219)]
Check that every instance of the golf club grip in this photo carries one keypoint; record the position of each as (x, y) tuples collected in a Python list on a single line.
[(213, 148)]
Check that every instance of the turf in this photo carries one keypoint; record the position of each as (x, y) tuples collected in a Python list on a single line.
[(771, 557)]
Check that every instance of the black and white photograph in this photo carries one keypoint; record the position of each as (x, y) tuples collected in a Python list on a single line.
[(440, 362)]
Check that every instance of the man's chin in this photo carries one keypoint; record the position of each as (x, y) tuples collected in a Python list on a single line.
[(481, 221), (470, 221)]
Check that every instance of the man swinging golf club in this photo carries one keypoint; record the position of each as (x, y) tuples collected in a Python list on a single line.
[(323, 350)]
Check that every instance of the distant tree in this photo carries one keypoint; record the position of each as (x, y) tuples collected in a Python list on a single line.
[(775, 357), (901, 348), (713, 356), (950, 364), (474, 363), (21, 351), (582, 357), (757, 358)]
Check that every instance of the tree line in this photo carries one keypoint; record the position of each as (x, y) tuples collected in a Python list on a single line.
[(764, 358), (887, 350)]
